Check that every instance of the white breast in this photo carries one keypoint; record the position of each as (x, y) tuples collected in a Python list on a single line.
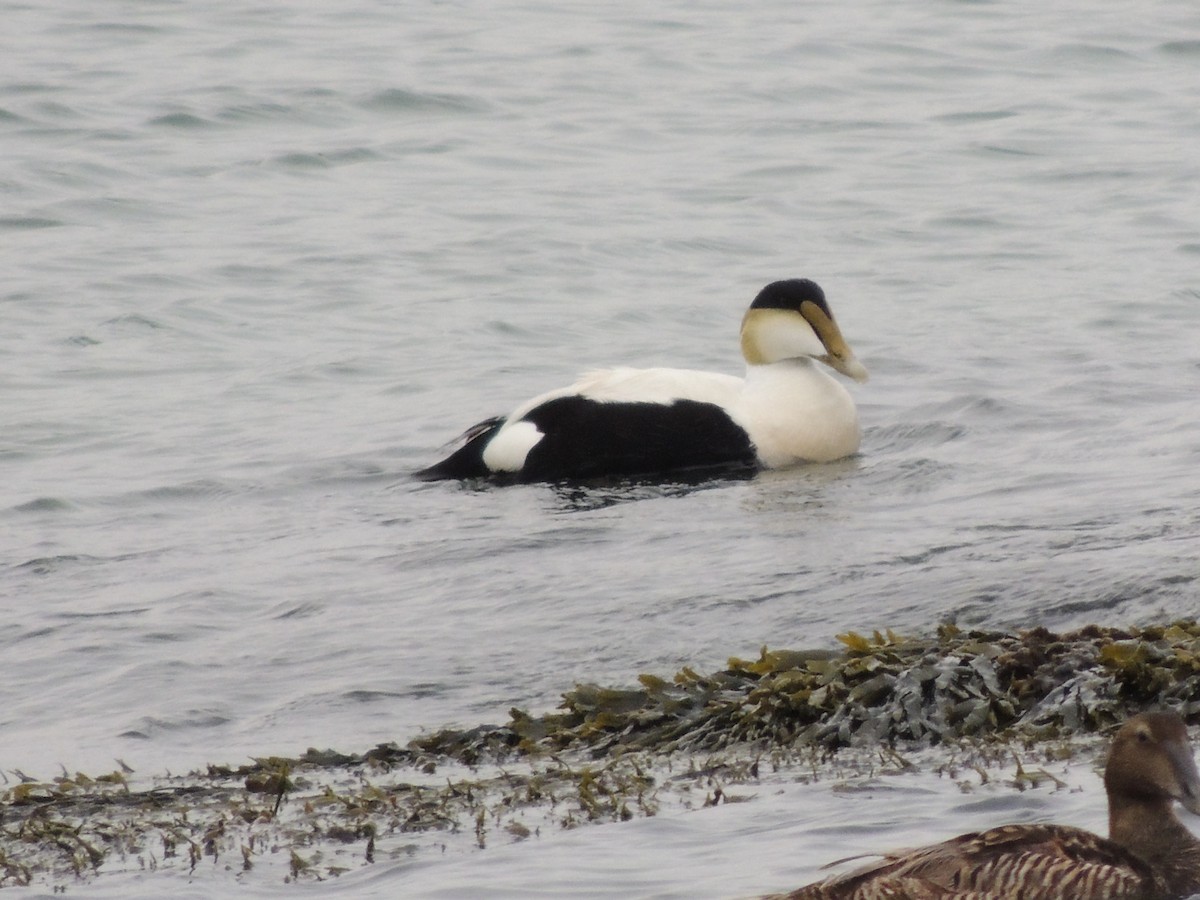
[(795, 412)]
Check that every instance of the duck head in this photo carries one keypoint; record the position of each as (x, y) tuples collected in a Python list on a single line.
[(790, 319), (1151, 762)]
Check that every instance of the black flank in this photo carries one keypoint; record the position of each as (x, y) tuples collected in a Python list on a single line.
[(589, 439)]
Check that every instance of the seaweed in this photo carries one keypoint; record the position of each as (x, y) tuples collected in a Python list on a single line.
[(609, 754), (881, 688)]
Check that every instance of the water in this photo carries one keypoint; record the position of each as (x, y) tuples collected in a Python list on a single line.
[(261, 263)]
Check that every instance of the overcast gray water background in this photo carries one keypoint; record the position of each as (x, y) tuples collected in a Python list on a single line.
[(260, 262)]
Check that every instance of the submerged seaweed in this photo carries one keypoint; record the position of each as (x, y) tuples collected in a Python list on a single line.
[(609, 754)]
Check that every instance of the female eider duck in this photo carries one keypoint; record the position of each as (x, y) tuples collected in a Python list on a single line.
[(644, 422), (1148, 855)]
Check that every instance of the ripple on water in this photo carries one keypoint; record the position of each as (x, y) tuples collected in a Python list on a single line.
[(264, 111), (1189, 49), (402, 100), (325, 159), (298, 611), (200, 489), (103, 614), (44, 504), (889, 439), (147, 727), (164, 637), (138, 29), (183, 121), (974, 116), (1097, 54), (28, 223), (365, 696), (44, 565), (1135, 599)]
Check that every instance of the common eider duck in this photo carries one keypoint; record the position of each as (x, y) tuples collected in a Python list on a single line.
[(647, 422), (1148, 855)]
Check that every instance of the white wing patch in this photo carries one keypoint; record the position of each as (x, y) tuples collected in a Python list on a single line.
[(506, 452)]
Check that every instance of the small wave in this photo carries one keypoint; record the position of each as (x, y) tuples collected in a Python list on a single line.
[(602, 494), (161, 637), (1135, 595), (136, 320), (198, 488), (105, 614), (983, 115), (916, 475), (792, 170), (28, 223), (325, 160), (1181, 48), (122, 28), (423, 689), (1091, 173), (43, 504), (304, 161), (401, 100), (180, 120), (364, 696), (257, 112), (916, 559), (999, 150), (301, 611), (202, 489), (968, 222), (192, 718), (61, 111), (44, 565), (22, 88), (1091, 52), (906, 436)]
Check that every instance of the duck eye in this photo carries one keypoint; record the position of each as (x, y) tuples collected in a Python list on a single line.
[(1143, 737)]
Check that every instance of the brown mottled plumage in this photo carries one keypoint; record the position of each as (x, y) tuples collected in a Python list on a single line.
[(1148, 855)]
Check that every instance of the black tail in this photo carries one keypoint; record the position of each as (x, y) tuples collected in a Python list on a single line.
[(467, 460)]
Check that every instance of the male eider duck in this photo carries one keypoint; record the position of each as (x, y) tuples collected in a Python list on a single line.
[(1148, 855), (645, 422)]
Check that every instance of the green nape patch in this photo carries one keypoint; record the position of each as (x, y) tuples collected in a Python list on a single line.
[(607, 754)]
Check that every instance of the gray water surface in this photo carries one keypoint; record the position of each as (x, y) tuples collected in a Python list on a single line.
[(261, 263)]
